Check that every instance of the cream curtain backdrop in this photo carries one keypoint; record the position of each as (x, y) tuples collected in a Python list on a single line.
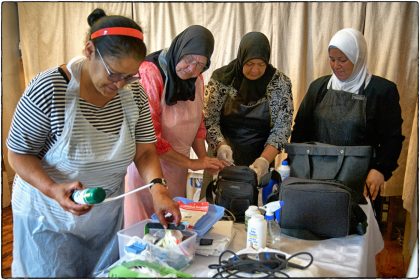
[(299, 32), (51, 33)]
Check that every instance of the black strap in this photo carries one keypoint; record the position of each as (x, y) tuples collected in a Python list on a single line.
[(63, 73), (265, 179), (358, 220), (210, 190), (370, 199)]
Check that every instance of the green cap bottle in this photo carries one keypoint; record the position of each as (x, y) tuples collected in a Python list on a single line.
[(89, 196)]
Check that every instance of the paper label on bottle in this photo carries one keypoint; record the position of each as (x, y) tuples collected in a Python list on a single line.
[(252, 238), (79, 197)]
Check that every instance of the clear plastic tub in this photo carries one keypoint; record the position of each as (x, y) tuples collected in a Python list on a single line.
[(177, 258), (205, 223)]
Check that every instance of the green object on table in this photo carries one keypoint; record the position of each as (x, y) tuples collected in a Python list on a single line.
[(123, 270), (120, 271)]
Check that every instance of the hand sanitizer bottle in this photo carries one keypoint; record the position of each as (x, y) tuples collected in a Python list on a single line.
[(273, 231)]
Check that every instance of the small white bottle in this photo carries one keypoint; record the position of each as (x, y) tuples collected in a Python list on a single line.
[(273, 231), (252, 210), (284, 170), (257, 232)]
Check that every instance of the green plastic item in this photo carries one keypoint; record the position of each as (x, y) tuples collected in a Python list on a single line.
[(123, 270), (89, 196)]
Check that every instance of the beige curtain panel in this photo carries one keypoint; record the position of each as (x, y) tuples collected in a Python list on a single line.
[(53, 32)]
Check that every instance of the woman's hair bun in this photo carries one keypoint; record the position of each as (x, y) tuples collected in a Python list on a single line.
[(95, 15)]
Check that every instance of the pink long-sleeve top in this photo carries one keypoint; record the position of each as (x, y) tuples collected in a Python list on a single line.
[(152, 81)]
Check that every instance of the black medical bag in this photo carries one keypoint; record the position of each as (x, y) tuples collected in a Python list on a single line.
[(235, 189)]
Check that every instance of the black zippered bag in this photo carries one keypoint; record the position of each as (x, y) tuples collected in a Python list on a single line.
[(321, 161), (235, 189), (320, 209)]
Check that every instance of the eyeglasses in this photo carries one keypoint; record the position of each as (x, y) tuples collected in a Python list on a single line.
[(190, 60), (116, 77)]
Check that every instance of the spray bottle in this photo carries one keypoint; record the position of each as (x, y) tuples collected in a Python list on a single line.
[(273, 227)]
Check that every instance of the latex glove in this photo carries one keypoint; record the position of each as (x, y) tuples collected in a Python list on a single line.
[(260, 166), (224, 152)]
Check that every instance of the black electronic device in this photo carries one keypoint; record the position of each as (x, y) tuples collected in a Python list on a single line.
[(153, 225), (267, 264), (206, 242)]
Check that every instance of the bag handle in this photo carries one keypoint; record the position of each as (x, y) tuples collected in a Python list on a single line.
[(370, 198), (211, 187), (309, 170)]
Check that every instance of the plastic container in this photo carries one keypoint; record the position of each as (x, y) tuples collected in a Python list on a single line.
[(178, 259), (252, 210), (284, 170), (273, 231), (205, 223), (89, 196), (257, 232)]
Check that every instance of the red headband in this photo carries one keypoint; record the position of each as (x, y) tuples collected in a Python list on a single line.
[(124, 31)]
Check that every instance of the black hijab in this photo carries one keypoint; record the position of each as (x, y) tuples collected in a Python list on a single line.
[(196, 40), (253, 45)]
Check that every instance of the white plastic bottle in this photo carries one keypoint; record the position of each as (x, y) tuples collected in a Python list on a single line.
[(284, 170), (252, 210), (257, 232), (273, 231)]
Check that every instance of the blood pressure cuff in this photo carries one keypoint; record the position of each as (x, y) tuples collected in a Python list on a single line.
[(319, 209)]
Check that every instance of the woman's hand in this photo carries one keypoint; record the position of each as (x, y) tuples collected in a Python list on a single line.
[(224, 152), (62, 194), (260, 166), (29, 168), (164, 204), (374, 181), (213, 165)]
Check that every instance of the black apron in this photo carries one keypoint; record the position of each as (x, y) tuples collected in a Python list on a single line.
[(340, 118), (246, 131)]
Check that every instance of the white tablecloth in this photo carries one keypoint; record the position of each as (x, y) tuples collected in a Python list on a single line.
[(351, 256)]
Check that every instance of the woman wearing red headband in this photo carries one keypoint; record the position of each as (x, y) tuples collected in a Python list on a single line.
[(92, 120)]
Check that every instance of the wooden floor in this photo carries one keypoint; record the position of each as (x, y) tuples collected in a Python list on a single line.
[(389, 263), (6, 241)]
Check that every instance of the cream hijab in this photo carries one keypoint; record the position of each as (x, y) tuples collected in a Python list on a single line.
[(352, 43)]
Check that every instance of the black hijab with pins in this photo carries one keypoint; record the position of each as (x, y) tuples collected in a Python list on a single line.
[(195, 40), (253, 45)]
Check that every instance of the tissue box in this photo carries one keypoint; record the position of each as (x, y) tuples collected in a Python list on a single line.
[(177, 258)]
